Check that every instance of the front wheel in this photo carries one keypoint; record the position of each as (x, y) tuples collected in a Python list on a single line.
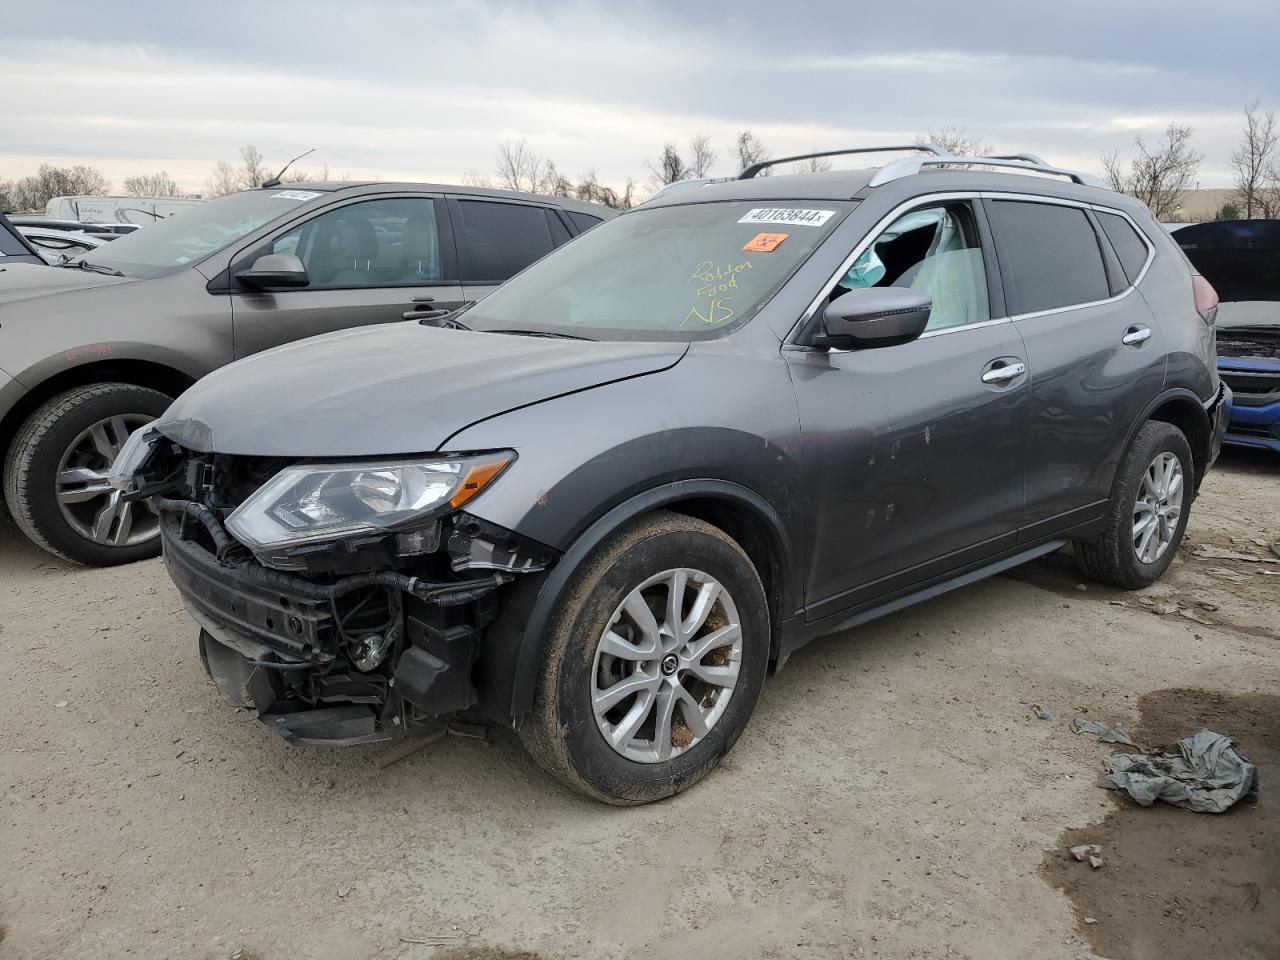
[(1148, 513), (653, 664), (55, 478)]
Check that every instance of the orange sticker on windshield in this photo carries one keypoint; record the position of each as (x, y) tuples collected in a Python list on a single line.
[(765, 242)]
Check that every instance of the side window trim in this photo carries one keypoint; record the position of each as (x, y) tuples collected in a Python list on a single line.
[(995, 294), (989, 195), (241, 259)]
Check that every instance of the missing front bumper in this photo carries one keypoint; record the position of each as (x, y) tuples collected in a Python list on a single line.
[(284, 656)]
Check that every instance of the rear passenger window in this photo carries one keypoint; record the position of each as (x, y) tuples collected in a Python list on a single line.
[(499, 240), (1049, 255), (583, 221), (1126, 242)]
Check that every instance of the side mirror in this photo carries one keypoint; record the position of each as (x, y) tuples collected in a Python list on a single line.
[(275, 270), (874, 317)]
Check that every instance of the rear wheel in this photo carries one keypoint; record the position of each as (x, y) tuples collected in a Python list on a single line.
[(55, 478), (1148, 513), (653, 664)]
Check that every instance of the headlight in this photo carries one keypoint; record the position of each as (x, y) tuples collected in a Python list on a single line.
[(330, 501)]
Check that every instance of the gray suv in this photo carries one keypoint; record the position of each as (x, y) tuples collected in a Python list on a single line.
[(93, 350), (604, 503)]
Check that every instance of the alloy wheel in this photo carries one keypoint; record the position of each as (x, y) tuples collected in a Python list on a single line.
[(666, 665), (1158, 508), (88, 503)]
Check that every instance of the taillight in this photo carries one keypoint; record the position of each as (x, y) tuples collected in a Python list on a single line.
[(1206, 298)]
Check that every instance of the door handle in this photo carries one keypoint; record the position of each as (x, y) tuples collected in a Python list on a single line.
[(1004, 374), (1136, 335)]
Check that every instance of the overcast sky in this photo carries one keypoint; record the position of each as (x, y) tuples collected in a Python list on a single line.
[(424, 91)]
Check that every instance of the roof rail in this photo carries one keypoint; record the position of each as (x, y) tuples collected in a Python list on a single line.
[(908, 166), (1028, 157), (755, 168)]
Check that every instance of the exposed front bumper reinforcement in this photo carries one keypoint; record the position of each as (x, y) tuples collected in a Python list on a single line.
[(276, 644)]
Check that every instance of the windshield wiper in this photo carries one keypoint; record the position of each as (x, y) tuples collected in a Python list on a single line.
[(447, 322), (540, 333), (96, 268)]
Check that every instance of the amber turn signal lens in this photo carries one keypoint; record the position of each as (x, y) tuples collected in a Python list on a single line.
[(478, 477)]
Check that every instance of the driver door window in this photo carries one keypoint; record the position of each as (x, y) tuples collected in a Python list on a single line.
[(376, 243), (935, 250)]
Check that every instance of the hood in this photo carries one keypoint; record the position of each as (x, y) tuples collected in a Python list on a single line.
[(392, 389), (26, 281)]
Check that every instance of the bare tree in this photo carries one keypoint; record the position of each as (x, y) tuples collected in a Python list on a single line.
[(223, 179), (520, 168), (33, 192), (815, 165), (555, 183), (1254, 161), (252, 170), (1269, 196), (1157, 176), (151, 185), (670, 166), (8, 196), (957, 141), (749, 149), (589, 188), (702, 156)]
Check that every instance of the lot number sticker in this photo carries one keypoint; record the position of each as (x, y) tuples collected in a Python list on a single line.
[(294, 195), (789, 216)]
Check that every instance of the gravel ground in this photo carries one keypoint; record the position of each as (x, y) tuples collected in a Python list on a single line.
[(893, 796)]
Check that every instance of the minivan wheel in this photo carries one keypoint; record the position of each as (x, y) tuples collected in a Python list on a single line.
[(1148, 513), (653, 663), (55, 478)]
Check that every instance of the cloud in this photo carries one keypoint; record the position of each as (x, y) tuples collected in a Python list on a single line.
[(426, 91)]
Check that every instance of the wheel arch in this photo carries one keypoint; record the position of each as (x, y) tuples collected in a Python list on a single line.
[(1184, 410), (154, 375), (513, 644)]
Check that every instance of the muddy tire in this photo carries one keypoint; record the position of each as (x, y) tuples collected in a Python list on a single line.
[(1143, 534), (54, 475), (698, 663)]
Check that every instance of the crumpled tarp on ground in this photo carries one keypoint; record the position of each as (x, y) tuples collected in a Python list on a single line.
[(1203, 773), (1104, 733)]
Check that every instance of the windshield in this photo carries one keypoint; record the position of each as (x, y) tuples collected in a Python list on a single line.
[(669, 273), (192, 234)]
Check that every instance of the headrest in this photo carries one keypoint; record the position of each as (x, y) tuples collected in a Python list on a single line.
[(358, 240), (419, 238)]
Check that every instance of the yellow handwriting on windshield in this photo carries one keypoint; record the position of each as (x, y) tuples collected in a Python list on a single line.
[(714, 280), (716, 310), (717, 278)]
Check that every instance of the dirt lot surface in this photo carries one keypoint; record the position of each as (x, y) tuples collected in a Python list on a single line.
[(893, 797)]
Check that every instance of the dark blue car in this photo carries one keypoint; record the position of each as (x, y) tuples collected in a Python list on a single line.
[(1241, 258)]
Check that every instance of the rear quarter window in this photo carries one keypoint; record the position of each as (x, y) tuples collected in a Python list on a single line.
[(1049, 255), (1126, 243), (583, 221)]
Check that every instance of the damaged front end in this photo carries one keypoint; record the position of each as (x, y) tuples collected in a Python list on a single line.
[(343, 603)]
